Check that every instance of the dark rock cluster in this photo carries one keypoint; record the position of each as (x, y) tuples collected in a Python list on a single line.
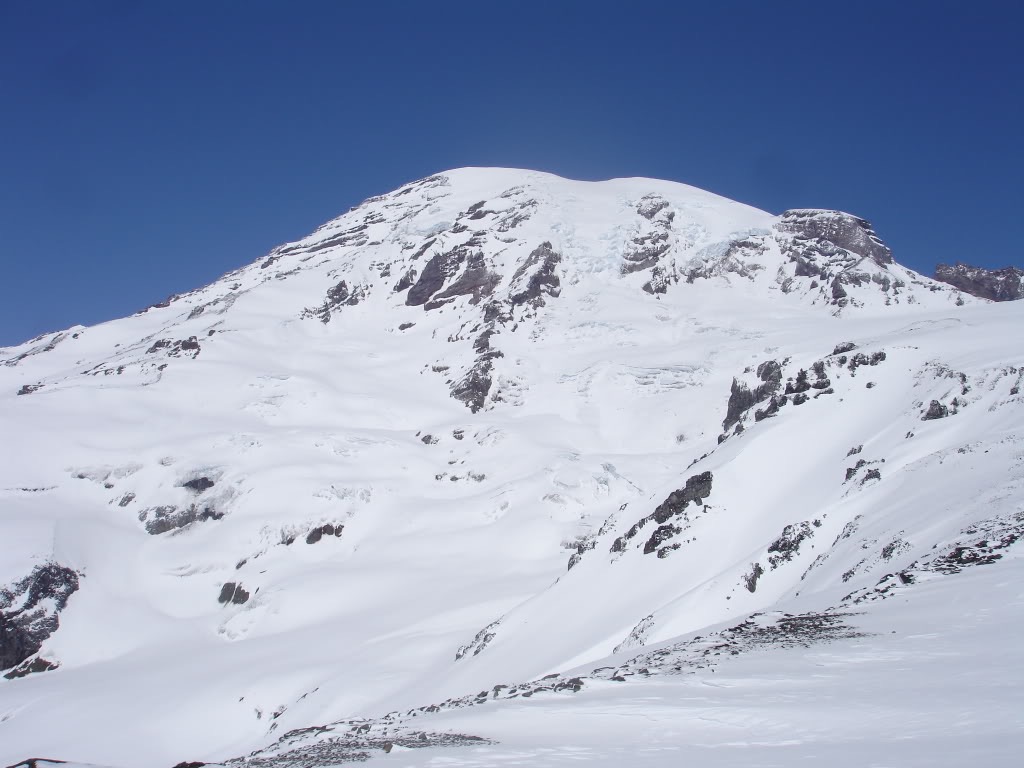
[(644, 251), (30, 667), (787, 545), (338, 296), (338, 745), (859, 359), (1005, 284), (479, 642), (176, 348), (233, 593), (582, 547), (473, 388), (983, 543), (327, 529), (824, 233), (536, 277), (757, 632), (198, 484), (166, 518), (831, 248), (647, 248), (870, 474), (29, 612), (670, 515), (750, 579), (742, 398), (798, 390), (696, 489), (651, 205), (476, 280), (936, 410), (463, 271), (475, 385)]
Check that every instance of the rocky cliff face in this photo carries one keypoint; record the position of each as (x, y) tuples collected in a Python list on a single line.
[(29, 611), (1005, 284), (838, 249), (835, 234)]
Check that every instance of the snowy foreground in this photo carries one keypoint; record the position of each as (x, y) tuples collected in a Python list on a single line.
[(505, 469)]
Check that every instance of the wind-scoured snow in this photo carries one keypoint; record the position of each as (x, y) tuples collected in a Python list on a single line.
[(502, 466)]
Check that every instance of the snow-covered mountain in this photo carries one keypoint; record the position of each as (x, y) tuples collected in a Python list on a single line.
[(502, 466), (1006, 284)]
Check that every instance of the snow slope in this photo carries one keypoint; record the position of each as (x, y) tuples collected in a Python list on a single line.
[(497, 426)]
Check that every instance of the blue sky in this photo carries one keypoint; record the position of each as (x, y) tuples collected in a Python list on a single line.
[(147, 148)]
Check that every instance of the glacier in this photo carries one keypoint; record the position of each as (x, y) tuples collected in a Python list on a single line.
[(503, 468)]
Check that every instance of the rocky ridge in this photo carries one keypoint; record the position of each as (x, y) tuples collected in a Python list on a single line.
[(1005, 284)]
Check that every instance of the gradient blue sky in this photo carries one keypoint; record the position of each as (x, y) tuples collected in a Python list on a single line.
[(147, 148)]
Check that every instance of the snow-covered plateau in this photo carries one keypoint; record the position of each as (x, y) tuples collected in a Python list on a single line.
[(506, 469)]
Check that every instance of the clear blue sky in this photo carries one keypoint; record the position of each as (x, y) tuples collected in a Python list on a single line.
[(146, 148)]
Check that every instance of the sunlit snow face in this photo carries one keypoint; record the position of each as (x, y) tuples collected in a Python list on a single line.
[(490, 444)]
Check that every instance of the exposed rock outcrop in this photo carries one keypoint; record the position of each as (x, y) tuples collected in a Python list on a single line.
[(233, 593), (653, 240), (536, 277), (189, 347), (338, 296), (198, 484), (750, 579), (835, 250), (671, 516), (479, 642), (821, 233), (742, 398), (787, 545), (166, 518), (476, 281), (1005, 284), (31, 667), (473, 388), (936, 410), (327, 529)]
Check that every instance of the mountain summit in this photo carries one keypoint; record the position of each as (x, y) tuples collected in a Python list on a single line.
[(500, 443)]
